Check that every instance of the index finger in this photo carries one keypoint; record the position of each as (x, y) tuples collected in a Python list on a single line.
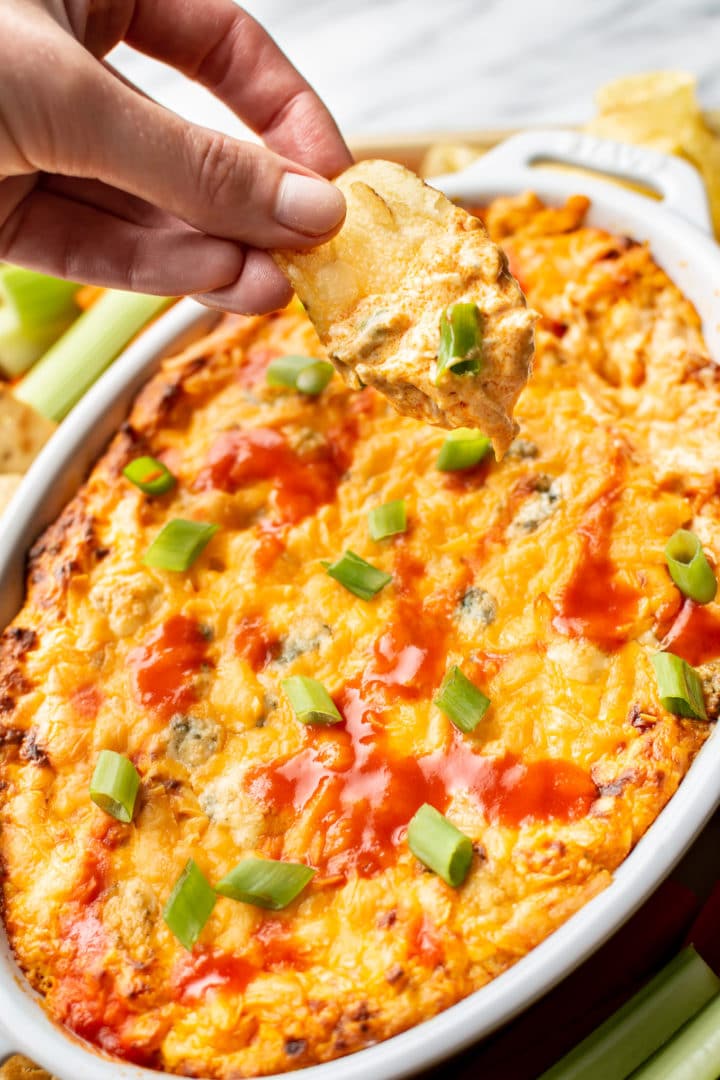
[(219, 45)]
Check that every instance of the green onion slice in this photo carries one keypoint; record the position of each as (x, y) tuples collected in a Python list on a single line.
[(358, 577), (178, 544), (150, 475), (439, 845), (642, 1024), (463, 448), (693, 1054), (314, 378), (689, 567), (189, 905), (79, 357), (460, 348), (461, 701), (265, 883), (310, 701), (302, 373), (388, 519), (114, 785), (35, 310), (679, 685)]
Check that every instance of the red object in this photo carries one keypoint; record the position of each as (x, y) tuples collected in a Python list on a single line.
[(694, 634), (365, 795), (164, 666), (253, 370), (254, 642), (86, 701), (203, 970), (595, 604), (300, 484)]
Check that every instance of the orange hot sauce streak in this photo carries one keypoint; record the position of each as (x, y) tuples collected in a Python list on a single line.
[(162, 668), (694, 634), (300, 484), (364, 796), (594, 604), (84, 997), (207, 969)]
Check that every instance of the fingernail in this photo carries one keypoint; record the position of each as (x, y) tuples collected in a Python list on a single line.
[(308, 206)]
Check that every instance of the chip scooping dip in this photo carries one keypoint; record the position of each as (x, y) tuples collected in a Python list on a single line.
[(412, 297)]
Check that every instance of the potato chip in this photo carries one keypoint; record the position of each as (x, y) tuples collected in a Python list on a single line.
[(9, 483), (22, 433), (377, 291), (442, 158), (660, 109)]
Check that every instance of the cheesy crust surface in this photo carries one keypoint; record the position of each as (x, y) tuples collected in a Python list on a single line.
[(542, 577)]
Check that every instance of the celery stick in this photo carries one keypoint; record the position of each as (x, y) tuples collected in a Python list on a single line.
[(694, 1052), (35, 310), (645, 1022), (72, 364)]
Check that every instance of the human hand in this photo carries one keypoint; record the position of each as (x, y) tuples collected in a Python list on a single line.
[(102, 185)]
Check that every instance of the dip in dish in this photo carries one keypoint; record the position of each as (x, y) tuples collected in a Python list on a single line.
[(542, 578)]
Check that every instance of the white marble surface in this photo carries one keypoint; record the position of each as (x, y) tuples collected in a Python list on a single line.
[(407, 65)]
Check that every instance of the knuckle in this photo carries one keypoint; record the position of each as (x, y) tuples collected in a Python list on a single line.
[(224, 170)]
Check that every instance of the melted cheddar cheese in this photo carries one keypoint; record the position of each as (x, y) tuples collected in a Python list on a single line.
[(543, 577)]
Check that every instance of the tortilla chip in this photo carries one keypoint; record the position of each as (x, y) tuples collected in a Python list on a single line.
[(376, 293), (22, 433)]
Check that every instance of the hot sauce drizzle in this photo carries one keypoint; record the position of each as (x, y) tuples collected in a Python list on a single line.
[(86, 701), (254, 642), (163, 668), (595, 604), (253, 370), (408, 659), (300, 484), (365, 795), (84, 997), (207, 969), (694, 634)]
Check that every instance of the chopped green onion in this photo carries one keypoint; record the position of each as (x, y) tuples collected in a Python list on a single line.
[(265, 882), (189, 905), (302, 373), (310, 701), (461, 701), (460, 348), (114, 785), (439, 845), (679, 686), (644, 1023), (694, 1052), (178, 544), (463, 448), (388, 519), (358, 577), (314, 378), (150, 475), (35, 310), (72, 364), (689, 568)]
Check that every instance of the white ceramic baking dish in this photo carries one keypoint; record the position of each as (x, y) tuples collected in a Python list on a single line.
[(678, 229)]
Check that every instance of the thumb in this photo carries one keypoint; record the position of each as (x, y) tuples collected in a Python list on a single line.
[(225, 187)]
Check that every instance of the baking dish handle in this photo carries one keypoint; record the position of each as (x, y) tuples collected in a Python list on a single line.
[(6, 1047), (676, 182)]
